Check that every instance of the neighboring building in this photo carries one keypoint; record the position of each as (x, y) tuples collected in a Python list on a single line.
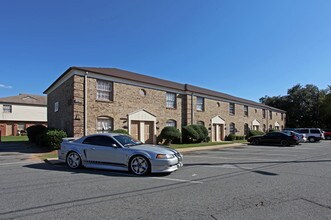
[(20, 112), (117, 99)]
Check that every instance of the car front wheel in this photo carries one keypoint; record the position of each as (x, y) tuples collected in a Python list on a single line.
[(255, 142), (73, 160), (139, 165), (312, 139)]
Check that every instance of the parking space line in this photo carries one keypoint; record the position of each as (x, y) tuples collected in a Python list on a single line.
[(231, 158), (176, 180)]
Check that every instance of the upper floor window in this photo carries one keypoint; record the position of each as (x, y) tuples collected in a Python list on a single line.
[(104, 90), (104, 124), (200, 104), (263, 113), (232, 108), (171, 100), (56, 106), (270, 114), (7, 109), (171, 123), (282, 116), (246, 110)]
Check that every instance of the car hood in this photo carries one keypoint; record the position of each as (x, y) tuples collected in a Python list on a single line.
[(158, 149)]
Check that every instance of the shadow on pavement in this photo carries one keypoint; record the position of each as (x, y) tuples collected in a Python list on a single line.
[(63, 167), (21, 147)]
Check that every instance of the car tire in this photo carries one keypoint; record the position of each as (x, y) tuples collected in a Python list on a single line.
[(255, 142), (284, 143), (139, 165), (312, 139), (73, 160)]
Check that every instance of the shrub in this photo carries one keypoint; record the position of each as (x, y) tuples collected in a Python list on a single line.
[(195, 134), (53, 138), (230, 137), (240, 137), (189, 134), (169, 135), (120, 131), (33, 131)]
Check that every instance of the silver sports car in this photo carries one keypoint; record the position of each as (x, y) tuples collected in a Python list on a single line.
[(119, 152)]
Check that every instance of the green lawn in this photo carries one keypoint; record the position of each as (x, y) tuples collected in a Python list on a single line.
[(206, 144), (14, 138)]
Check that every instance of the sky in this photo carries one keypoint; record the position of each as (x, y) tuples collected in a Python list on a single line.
[(245, 48)]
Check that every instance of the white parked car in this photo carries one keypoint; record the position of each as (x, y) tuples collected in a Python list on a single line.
[(119, 152)]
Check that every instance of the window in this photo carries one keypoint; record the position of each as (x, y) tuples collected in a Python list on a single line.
[(171, 123), (171, 100), (201, 123), (104, 124), (263, 113), (246, 110), (246, 129), (20, 126), (270, 114), (264, 128), (100, 141), (200, 104), (282, 116), (56, 106), (232, 109), (270, 127), (142, 92), (7, 109), (104, 90), (232, 128)]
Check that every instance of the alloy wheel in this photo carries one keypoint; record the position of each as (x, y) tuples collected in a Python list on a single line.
[(139, 165), (73, 160)]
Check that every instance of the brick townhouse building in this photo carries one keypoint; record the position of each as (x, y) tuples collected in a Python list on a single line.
[(83, 101)]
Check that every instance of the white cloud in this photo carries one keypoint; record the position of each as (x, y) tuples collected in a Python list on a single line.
[(5, 87)]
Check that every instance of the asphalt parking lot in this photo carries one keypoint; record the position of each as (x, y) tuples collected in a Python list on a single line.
[(245, 182)]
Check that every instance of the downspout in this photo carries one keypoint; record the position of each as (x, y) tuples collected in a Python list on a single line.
[(192, 110), (85, 103)]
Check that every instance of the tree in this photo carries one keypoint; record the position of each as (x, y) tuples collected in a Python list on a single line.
[(305, 106)]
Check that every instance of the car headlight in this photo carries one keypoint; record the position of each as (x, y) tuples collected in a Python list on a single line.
[(164, 156)]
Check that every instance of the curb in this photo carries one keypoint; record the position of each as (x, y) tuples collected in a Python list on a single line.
[(190, 149), (53, 161)]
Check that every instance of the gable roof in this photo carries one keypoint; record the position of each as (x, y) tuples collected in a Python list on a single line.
[(25, 99), (123, 74)]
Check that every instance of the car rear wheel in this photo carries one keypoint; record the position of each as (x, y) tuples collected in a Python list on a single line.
[(73, 160), (139, 165), (255, 142), (312, 139), (284, 143)]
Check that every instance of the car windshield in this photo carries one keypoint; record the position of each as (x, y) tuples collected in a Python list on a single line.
[(127, 141)]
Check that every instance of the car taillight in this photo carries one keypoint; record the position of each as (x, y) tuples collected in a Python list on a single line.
[(295, 137)]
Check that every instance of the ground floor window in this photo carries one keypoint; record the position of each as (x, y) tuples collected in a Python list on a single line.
[(201, 123), (246, 129), (232, 128), (104, 124), (171, 123)]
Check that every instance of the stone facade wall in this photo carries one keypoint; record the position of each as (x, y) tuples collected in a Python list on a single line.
[(63, 118), (127, 99)]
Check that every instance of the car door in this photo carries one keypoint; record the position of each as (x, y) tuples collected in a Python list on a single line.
[(105, 150), (268, 138)]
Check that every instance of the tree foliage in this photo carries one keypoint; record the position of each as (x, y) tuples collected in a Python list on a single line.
[(306, 106)]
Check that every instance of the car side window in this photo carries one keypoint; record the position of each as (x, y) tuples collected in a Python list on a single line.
[(314, 131), (100, 141)]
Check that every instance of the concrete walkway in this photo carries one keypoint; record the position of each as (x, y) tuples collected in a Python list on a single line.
[(189, 149)]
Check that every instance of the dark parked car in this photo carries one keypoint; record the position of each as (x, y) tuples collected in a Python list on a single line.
[(274, 138), (327, 134)]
